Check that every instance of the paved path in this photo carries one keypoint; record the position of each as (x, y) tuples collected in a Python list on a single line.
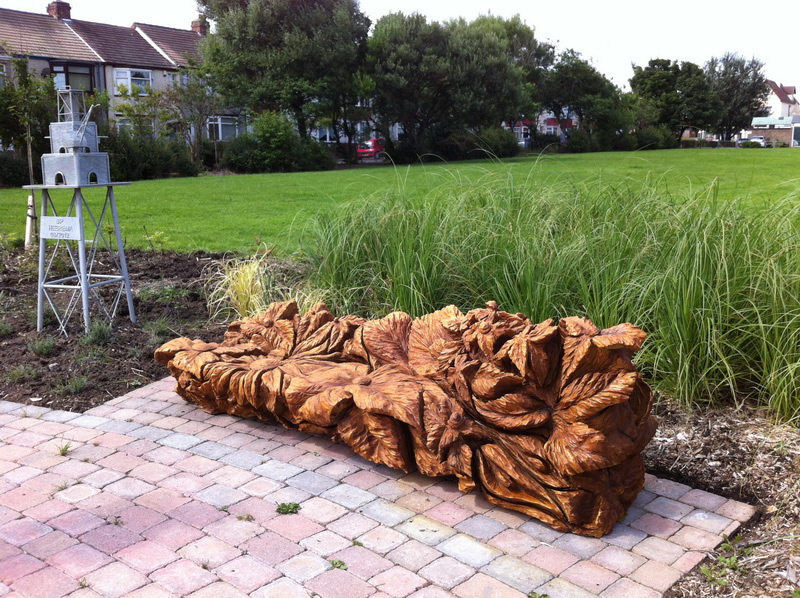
[(150, 496)]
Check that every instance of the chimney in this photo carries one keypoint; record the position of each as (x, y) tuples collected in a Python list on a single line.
[(59, 10), (200, 26)]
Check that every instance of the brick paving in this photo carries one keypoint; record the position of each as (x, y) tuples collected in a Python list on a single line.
[(149, 496)]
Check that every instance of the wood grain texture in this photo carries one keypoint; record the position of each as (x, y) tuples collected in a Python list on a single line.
[(545, 419)]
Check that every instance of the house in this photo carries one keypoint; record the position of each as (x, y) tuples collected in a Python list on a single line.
[(781, 100), (100, 57)]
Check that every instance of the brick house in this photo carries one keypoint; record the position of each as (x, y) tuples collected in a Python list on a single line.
[(101, 57)]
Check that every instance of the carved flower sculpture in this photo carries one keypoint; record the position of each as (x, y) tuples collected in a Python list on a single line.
[(543, 418)]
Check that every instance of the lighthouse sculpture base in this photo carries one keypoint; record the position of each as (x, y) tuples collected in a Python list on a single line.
[(84, 238)]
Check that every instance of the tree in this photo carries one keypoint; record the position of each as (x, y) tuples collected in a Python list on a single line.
[(680, 93), (193, 100), (742, 87), (573, 87), (533, 57), (433, 77), (27, 105), (285, 54)]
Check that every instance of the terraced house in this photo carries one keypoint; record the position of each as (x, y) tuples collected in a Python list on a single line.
[(98, 56)]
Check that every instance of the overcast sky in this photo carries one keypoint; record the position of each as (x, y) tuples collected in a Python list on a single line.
[(612, 34)]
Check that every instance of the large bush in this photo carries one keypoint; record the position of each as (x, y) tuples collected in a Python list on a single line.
[(136, 157), (720, 299), (580, 142), (275, 146), (13, 170), (498, 142)]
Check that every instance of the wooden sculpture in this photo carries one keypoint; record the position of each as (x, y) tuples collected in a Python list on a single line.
[(545, 419)]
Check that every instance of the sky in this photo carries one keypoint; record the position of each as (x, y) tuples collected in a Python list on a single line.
[(611, 34)]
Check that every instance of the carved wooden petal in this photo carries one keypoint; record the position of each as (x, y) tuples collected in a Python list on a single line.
[(386, 340), (590, 394), (491, 382), (375, 437), (432, 347), (514, 412)]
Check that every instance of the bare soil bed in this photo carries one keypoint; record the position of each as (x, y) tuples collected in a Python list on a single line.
[(738, 453)]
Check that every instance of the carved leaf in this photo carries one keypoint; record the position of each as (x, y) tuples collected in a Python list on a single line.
[(491, 382), (390, 391), (386, 340), (591, 393), (514, 412), (378, 438), (624, 336), (432, 347), (329, 339), (312, 321)]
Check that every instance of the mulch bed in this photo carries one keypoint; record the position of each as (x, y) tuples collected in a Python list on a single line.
[(738, 453)]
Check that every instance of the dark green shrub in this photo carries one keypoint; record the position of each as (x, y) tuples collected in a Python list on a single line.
[(458, 145), (136, 157), (648, 138), (668, 139), (499, 142), (274, 146), (548, 141), (243, 154), (580, 142), (750, 145), (312, 155), (13, 170), (689, 144), (626, 143)]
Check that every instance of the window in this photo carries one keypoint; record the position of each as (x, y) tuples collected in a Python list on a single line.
[(222, 128), (136, 81), (173, 78), (2, 74), (74, 76)]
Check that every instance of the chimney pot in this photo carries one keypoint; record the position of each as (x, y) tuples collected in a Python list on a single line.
[(200, 26), (59, 10)]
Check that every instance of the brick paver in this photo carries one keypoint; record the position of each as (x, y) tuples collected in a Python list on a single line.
[(157, 498)]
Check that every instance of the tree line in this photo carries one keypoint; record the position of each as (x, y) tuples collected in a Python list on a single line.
[(318, 61), (427, 88)]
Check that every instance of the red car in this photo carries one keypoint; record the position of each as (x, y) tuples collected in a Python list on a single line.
[(370, 148)]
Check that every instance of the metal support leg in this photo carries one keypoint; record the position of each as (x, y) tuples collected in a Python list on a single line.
[(121, 250), (42, 251), (84, 276)]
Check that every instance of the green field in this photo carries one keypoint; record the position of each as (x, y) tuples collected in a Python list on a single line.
[(238, 213)]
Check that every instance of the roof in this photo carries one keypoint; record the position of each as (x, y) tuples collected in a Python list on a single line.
[(33, 34), (785, 93), (776, 121), (121, 46), (176, 43)]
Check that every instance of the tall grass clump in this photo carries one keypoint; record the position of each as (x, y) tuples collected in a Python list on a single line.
[(715, 284), (239, 287)]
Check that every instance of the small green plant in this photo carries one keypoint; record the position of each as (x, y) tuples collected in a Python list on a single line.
[(288, 508), (116, 520), (61, 486), (5, 329), (64, 449), (82, 583), (43, 346), (338, 565), (247, 517), (224, 509), (156, 241), (357, 543), (22, 373), (726, 562), (72, 386), (533, 594), (99, 334), (204, 565), (85, 460), (169, 294)]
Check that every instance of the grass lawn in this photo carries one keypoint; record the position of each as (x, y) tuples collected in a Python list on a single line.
[(237, 213)]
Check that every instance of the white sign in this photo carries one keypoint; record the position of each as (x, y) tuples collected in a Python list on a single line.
[(61, 227)]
